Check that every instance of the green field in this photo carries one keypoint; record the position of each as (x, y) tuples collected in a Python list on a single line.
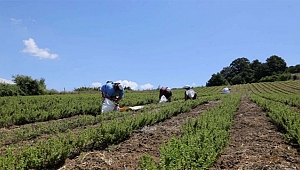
[(39, 132)]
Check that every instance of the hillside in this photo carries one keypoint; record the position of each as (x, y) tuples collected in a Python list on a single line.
[(246, 129)]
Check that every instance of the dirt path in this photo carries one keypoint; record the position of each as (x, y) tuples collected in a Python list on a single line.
[(127, 154), (256, 143)]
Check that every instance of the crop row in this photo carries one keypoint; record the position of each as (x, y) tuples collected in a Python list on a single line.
[(55, 150), (28, 109), (295, 85), (202, 139), (290, 99), (19, 110), (33, 131), (282, 115)]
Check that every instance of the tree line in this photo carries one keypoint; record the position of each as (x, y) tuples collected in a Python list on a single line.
[(27, 86), (242, 71), (24, 86)]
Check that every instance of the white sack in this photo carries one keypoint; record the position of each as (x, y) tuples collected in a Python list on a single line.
[(108, 106), (163, 99), (190, 93), (225, 90)]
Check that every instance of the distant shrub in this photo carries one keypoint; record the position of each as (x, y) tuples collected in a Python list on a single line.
[(295, 76), (10, 90), (276, 77), (86, 89), (53, 91)]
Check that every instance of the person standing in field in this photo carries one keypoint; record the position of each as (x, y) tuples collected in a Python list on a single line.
[(112, 93), (189, 93), (167, 92)]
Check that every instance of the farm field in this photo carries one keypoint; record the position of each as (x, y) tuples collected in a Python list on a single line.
[(256, 126), (256, 143), (125, 155)]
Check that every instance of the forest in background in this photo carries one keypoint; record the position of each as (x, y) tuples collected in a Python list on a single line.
[(242, 71)]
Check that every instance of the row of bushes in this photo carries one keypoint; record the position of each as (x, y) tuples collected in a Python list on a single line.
[(15, 90)]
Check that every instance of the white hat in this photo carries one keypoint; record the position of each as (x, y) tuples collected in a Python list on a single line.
[(120, 86), (168, 89), (186, 86)]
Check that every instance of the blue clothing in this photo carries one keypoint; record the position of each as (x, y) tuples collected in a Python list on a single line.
[(109, 90)]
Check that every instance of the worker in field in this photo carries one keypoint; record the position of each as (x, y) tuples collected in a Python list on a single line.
[(189, 93), (167, 93), (112, 93), (226, 90)]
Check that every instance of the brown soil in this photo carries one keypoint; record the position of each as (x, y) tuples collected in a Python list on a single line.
[(255, 144), (127, 154)]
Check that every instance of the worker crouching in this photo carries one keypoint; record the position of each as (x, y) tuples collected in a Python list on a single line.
[(189, 93), (112, 93), (165, 95)]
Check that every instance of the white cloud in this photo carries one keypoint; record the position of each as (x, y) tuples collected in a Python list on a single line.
[(15, 21), (194, 85), (131, 84), (33, 50), (31, 20), (6, 81), (96, 84), (147, 86)]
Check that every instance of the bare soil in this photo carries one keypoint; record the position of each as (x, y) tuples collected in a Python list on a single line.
[(255, 144), (127, 154)]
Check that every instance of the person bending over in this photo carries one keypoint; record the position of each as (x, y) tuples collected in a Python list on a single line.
[(189, 93), (113, 91), (167, 92)]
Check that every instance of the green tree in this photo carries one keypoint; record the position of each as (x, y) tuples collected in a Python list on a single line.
[(30, 86), (240, 71), (239, 65), (238, 79), (9, 90), (226, 73), (258, 70), (127, 88), (276, 65), (294, 69), (216, 80)]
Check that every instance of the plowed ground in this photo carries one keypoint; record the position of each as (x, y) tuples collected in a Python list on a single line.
[(255, 144)]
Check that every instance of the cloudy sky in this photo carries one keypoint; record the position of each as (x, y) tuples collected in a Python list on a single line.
[(143, 44)]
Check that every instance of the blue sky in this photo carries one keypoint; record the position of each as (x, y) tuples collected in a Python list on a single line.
[(144, 44)]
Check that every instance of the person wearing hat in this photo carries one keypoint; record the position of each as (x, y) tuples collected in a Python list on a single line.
[(189, 93), (113, 92), (167, 92)]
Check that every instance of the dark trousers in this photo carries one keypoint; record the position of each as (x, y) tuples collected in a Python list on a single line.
[(188, 97), (166, 94)]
